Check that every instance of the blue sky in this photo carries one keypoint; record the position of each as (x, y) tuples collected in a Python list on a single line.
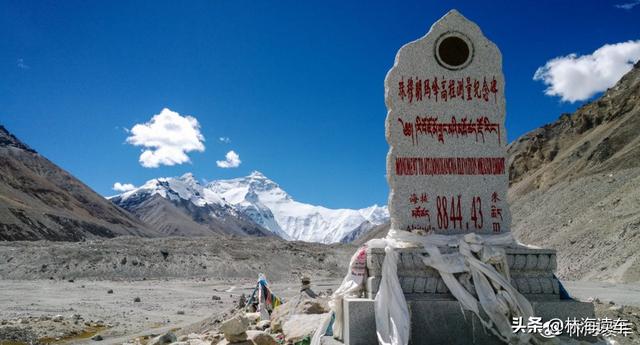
[(296, 86)]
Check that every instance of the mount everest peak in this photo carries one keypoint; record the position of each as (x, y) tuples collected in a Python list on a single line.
[(262, 201), (272, 207)]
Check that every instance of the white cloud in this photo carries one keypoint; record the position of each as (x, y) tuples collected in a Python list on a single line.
[(123, 187), (167, 138), (576, 78), (232, 160), (225, 140), (628, 5)]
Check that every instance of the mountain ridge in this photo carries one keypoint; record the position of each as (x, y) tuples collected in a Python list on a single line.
[(40, 200), (182, 207), (300, 221), (575, 186), (265, 203)]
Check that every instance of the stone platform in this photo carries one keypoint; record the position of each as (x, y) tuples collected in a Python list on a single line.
[(436, 317), (531, 273), (443, 322)]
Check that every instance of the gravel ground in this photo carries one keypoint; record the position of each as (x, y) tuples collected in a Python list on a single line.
[(625, 294), (132, 258), (28, 307), (41, 280)]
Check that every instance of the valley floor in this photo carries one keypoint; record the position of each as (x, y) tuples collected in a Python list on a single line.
[(176, 280), (180, 283), (164, 305)]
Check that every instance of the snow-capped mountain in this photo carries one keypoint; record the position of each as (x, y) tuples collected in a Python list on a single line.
[(252, 199), (270, 206), (182, 206), (184, 187)]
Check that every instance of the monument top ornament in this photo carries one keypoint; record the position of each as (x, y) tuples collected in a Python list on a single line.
[(446, 165)]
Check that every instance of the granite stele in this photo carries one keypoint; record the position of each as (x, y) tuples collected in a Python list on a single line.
[(445, 127), (448, 178)]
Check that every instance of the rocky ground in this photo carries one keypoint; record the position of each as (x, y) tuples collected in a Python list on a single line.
[(193, 310), (296, 321), (614, 311), (134, 258), (47, 312), (135, 291), (92, 286), (592, 221)]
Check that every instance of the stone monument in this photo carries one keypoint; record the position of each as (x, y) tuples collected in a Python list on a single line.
[(445, 128), (447, 173)]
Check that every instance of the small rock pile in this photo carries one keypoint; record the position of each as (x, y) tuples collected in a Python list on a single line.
[(290, 323)]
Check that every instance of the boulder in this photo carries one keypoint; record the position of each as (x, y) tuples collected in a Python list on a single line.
[(253, 317), (236, 338), (304, 305), (226, 342), (235, 325), (301, 325), (166, 338), (264, 324), (617, 308), (276, 325), (261, 338), (313, 307), (214, 338), (235, 329)]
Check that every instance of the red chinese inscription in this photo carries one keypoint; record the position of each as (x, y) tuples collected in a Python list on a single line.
[(445, 90)]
